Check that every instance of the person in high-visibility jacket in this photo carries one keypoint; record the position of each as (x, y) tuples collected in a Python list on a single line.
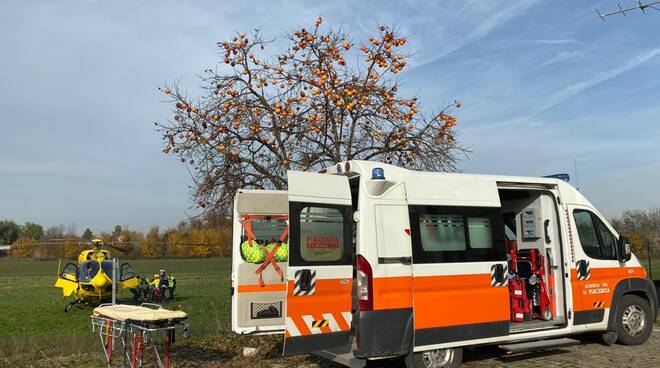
[(172, 286), (155, 281)]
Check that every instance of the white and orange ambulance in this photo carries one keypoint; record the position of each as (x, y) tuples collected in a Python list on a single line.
[(366, 261)]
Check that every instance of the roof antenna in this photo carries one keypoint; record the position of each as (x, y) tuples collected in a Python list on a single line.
[(639, 5), (577, 184)]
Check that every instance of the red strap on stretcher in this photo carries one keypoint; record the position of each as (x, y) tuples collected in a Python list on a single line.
[(246, 221)]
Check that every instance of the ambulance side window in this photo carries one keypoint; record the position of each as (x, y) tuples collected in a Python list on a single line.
[(596, 239), (320, 235), (456, 234)]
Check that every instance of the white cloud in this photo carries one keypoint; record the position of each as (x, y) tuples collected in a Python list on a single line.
[(491, 22), (578, 87), (558, 41), (559, 57)]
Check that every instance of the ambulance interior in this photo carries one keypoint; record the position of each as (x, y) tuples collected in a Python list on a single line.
[(533, 245)]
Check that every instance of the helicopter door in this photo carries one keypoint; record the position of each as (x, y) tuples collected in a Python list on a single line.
[(127, 276), (68, 279), (320, 270)]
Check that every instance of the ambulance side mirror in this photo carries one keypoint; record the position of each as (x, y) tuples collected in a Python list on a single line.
[(625, 253)]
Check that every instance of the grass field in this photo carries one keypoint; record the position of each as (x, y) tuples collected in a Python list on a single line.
[(35, 331), (34, 327), (655, 269), (33, 318)]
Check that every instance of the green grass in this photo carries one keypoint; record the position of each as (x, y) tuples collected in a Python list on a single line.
[(35, 331), (654, 273), (33, 318)]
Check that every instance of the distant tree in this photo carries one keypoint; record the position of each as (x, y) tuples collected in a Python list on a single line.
[(32, 231), (303, 110), (23, 247), (9, 232), (151, 246), (88, 235), (116, 233), (642, 227), (54, 232), (72, 230)]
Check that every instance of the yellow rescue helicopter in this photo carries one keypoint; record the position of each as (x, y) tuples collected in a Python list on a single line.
[(90, 281)]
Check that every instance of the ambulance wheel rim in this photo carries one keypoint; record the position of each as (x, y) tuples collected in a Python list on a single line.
[(634, 320), (437, 358)]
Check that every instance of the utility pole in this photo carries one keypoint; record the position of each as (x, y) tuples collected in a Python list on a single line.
[(639, 5), (114, 281)]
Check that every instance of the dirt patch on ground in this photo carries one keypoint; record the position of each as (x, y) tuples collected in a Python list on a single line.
[(228, 353)]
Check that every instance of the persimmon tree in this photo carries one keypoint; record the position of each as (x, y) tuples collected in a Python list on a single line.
[(322, 100)]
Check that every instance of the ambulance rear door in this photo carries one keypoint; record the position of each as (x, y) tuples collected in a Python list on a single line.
[(258, 291), (320, 269)]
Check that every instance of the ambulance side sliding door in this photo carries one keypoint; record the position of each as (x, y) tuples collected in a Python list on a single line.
[(459, 275)]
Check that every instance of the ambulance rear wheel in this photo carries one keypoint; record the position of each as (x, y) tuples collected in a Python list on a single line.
[(439, 358), (633, 320)]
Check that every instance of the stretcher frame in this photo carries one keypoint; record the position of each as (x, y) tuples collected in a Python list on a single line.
[(137, 336)]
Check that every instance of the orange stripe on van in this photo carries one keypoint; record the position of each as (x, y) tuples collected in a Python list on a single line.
[(442, 301), (601, 285), (330, 296), (392, 292), (261, 289)]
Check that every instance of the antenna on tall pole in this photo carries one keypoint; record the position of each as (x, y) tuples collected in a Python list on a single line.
[(639, 5)]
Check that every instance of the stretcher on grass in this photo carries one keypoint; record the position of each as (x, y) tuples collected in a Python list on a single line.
[(139, 329)]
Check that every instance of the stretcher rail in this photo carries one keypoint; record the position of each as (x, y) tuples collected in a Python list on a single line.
[(137, 337)]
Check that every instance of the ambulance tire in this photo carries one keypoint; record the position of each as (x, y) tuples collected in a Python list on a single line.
[(633, 322), (440, 358)]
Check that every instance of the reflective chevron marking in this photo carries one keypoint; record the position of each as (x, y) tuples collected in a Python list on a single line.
[(309, 320), (291, 327), (332, 323), (348, 317)]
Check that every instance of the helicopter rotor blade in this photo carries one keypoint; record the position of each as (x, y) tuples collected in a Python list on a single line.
[(116, 246)]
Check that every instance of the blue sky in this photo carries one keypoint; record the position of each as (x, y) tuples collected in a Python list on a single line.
[(542, 83)]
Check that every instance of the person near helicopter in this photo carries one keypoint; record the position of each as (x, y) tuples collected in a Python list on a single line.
[(172, 284), (142, 291)]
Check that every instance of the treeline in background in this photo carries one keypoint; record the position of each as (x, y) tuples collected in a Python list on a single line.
[(207, 236), (210, 235), (642, 228)]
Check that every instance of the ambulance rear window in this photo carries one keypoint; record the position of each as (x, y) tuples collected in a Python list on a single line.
[(321, 234)]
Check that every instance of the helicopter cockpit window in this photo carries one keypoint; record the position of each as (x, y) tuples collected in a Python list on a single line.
[(107, 268), (70, 269), (88, 270)]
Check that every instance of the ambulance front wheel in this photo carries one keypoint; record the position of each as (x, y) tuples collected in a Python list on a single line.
[(439, 358), (633, 320)]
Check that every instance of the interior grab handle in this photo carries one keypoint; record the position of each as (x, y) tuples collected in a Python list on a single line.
[(546, 224)]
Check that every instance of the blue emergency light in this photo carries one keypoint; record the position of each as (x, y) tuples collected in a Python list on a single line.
[(377, 173), (564, 177)]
